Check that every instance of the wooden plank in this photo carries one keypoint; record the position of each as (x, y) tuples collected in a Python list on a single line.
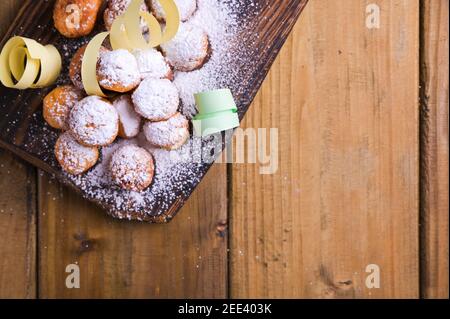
[(17, 228), (186, 258), (345, 101), (434, 147), (8, 11), (17, 210)]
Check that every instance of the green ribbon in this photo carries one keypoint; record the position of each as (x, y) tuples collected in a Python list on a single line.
[(217, 112)]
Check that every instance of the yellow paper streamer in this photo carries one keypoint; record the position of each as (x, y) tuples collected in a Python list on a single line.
[(126, 34), (126, 31), (22, 60), (89, 65)]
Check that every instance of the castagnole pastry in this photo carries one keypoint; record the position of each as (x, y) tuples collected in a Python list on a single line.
[(73, 157), (152, 64), (170, 134), (118, 71), (156, 99), (75, 66), (118, 7), (189, 49), (75, 18), (94, 122), (129, 120), (58, 103), (186, 8), (132, 168)]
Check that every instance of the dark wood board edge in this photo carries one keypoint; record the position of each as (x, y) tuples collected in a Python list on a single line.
[(434, 150)]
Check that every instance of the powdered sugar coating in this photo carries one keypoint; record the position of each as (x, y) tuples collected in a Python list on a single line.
[(170, 134), (132, 168), (118, 7), (73, 157), (118, 71), (151, 63), (94, 122), (129, 120), (186, 8), (188, 50), (156, 99), (58, 103)]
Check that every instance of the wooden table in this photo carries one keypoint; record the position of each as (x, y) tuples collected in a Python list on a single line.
[(362, 118)]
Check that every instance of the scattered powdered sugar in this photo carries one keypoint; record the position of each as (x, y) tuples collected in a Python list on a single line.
[(94, 121), (152, 64), (118, 67), (168, 134)]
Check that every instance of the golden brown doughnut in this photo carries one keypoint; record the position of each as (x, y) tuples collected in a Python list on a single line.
[(170, 134), (94, 122), (73, 157), (132, 168), (118, 71), (58, 103), (75, 18), (189, 49)]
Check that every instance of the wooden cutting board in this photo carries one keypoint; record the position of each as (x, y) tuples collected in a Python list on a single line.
[(24, 132)]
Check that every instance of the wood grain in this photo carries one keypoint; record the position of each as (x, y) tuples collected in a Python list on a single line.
[(264, 29), (434, 149), (345, 101), (186, 258), (17, 210)]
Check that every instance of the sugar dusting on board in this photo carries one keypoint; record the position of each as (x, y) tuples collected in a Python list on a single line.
[(176, 172)]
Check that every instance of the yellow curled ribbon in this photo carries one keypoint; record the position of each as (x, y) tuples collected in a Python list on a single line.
[(126, 34), (89, 65), (25, 64), (126, 31)]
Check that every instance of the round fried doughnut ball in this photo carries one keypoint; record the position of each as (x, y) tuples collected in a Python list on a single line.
[(132, 168), (170, 134), (156, 99), (94, 122), (75, 18), (118, 71), (152, 64), (58, 103), (189, 49), (73, 157)]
